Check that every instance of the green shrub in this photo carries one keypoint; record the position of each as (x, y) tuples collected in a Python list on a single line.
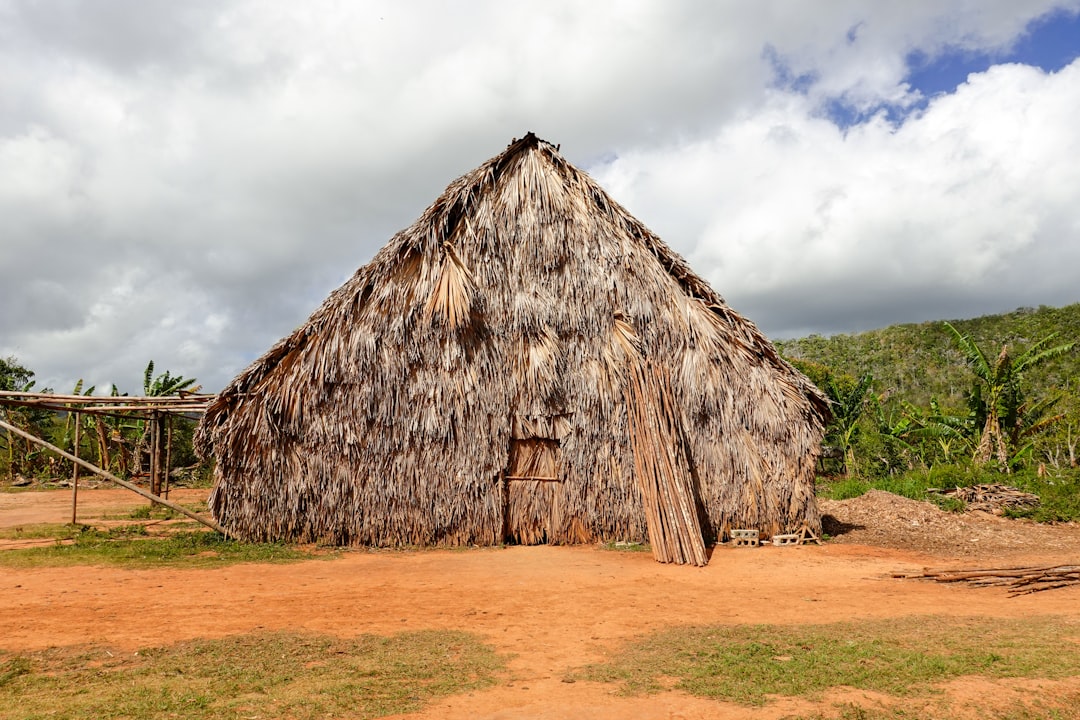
[(843, 488), (1059, 496)]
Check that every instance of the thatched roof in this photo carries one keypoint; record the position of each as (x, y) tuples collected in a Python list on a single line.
[(470, 385)]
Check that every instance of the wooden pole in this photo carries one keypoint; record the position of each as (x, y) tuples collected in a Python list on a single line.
[(75, 474), (662, 468), (168, 454), (11, 457), (103, 442), (155, 400), (109, 476), (155, 454)]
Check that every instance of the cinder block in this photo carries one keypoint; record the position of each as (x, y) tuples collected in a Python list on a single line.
[(745, 538), (789, 539)]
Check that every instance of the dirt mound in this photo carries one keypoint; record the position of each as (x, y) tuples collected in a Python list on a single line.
[(886, 520)]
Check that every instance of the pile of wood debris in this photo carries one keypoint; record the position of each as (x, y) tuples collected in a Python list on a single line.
[(1019, 580), (993, 498)]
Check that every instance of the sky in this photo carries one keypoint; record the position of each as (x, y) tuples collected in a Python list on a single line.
[(185, 182)]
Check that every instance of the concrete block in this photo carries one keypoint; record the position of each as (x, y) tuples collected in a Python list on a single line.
[(745, 538)]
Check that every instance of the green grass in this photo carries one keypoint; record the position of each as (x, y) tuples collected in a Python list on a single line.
[(144, 512), (40, 531), (1059, 496), (842, 488), (748, 664), (6, 487), (912, 484), (130, 546), (270, 675), (159, 512), (632, 547)]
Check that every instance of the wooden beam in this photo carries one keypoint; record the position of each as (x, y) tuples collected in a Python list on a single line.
[(109, 476), (92, 399)]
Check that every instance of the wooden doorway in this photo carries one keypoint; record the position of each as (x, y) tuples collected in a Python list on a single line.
[(533, 482)]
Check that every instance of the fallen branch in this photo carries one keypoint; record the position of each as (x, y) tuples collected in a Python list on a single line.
[(1019, 580)]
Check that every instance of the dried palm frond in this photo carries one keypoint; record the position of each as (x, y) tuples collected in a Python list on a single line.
[(452, 297), (519, 302)]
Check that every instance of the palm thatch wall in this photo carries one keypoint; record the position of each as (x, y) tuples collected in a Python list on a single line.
[(470, 385)]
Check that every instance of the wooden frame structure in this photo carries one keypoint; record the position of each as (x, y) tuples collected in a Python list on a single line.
[(156, 411)]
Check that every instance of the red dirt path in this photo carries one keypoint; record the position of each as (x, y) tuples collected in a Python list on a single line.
[(553, 608)]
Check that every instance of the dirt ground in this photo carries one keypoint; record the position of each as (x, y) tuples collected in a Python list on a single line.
[(552, 609)]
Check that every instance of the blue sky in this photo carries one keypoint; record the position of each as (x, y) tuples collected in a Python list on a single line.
[(1050, 43), (186, 182)]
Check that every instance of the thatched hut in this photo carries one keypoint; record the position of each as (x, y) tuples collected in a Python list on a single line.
[(525, 363)]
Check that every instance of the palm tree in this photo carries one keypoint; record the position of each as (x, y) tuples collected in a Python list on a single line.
[(997, 399)]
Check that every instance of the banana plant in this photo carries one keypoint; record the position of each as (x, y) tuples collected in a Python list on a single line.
[(86, 422), (996, 398), (847, 407), (156, 386), (165, 383)]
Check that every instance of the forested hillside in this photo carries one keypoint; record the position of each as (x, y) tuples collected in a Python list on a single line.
[(950, 403), (917, 362)]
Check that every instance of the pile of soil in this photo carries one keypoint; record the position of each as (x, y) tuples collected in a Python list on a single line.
[(886, 520)]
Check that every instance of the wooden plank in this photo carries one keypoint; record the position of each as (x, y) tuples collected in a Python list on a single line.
[(662, 468)]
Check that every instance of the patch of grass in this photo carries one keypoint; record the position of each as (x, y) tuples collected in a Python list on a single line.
[(914, 484), (747, 664), (40, 531), (13, 668), (150, 511), (271, 675), (129, 545), (1059, 496), (842, 488), (14, 490), (624, 546), (142, 512), (160, 512), (948, 503)]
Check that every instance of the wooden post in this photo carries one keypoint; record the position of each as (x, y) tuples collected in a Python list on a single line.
[(75, 474), (155, 453), (11, 457), (168, 453), (109, 476)]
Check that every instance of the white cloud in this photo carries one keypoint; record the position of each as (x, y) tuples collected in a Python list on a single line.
[(227, 164), (804, 226)]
